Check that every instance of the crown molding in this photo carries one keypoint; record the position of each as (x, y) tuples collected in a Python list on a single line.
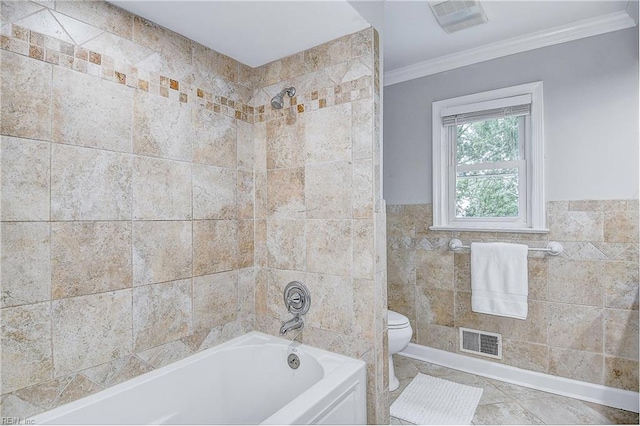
[(562, 34)]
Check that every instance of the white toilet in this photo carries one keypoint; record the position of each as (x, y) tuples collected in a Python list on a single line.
[(399, 337)]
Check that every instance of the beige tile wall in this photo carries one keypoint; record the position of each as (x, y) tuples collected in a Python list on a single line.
[(145, 180), (127, 200), (583, 304), (316, 188)]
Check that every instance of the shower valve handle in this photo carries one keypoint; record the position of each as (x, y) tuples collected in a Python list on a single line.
[(297, 298), (294, 298)]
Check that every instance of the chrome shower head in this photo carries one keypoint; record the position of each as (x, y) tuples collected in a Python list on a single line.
[(277, 102)]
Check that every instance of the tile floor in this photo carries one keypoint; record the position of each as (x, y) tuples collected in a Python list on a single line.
[(506, 404)]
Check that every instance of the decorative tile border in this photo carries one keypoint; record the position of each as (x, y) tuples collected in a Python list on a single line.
[(58, 52), (317, 99)]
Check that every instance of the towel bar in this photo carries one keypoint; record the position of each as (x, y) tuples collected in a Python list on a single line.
[(553, 248)]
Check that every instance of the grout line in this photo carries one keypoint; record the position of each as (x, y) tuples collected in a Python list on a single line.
[(108, 220), (518, 401), (51, 317), (132, 227), (97, 384), (61, 26), (192, 221), (64, 388), (92, 38)]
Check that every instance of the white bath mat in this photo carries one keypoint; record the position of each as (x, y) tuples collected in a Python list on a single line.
[(433, 401)]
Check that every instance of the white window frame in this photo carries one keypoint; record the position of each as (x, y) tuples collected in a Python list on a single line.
[(532, 219)]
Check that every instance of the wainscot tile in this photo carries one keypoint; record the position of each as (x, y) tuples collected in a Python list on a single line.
[(162, 251), (621, 373), (161, 313), (26, 268), (285, 143), (162, 127), (576, 281), (25, 179), (335, 295), (214, 139), (286, 193), (26, 97), (246, 146), (621, 226), (578, 365), (26, 346), (214, 192), (90, 184), (165, 354), (621, 333), (328, 134), (215, 246), (215, 299), (621, 285), (90, 330), (90, 257), (101, 14), (328, 191), (161, 189), (82, 104), (325, 238), (245, 195), (286, 245)]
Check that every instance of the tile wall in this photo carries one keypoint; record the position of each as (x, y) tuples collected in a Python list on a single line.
[(583, 304), (118, 174), (145, 181), (319, 213)]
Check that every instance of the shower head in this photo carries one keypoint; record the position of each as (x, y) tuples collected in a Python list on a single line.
[(277, 102)]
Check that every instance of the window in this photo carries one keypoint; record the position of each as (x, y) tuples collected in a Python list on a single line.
[(488, 161)]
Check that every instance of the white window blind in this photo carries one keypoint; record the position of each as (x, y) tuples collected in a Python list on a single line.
[(523, 102), (480, 111)]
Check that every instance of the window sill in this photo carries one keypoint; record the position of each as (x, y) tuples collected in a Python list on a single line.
[(505, 230)]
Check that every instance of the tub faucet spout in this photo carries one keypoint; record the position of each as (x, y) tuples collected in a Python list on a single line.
[(295, 323)]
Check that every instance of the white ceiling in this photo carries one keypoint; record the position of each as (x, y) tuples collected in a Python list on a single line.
[(412, 34), (256, 32), (252, 32)]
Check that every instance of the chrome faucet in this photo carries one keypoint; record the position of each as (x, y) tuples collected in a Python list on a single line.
[(297, 299), (295, 323)]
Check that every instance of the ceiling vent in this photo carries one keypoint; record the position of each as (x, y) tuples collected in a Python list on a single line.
[(456, 15)]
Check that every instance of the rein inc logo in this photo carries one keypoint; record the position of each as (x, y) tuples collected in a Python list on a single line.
[(17, 421)]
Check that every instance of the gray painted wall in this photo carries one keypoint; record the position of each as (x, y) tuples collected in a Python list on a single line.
[(591, 118)]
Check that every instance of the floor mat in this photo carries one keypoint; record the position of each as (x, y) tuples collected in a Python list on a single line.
[(433, 401)]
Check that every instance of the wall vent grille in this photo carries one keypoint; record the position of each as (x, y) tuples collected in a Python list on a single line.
[(481, 343)]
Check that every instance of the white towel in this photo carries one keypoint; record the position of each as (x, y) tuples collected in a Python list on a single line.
[(499, 279)]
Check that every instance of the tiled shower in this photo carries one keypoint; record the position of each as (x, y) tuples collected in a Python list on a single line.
[(155, 205)]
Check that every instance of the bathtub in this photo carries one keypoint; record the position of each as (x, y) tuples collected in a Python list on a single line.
[(244, 381)]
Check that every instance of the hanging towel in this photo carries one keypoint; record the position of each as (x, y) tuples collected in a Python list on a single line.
[(499, 279)]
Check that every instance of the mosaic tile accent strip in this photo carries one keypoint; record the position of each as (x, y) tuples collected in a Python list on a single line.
[(349, 91), (58, 52), (45, 48)]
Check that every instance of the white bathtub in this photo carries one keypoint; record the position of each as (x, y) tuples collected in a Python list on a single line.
[(244, 381)]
